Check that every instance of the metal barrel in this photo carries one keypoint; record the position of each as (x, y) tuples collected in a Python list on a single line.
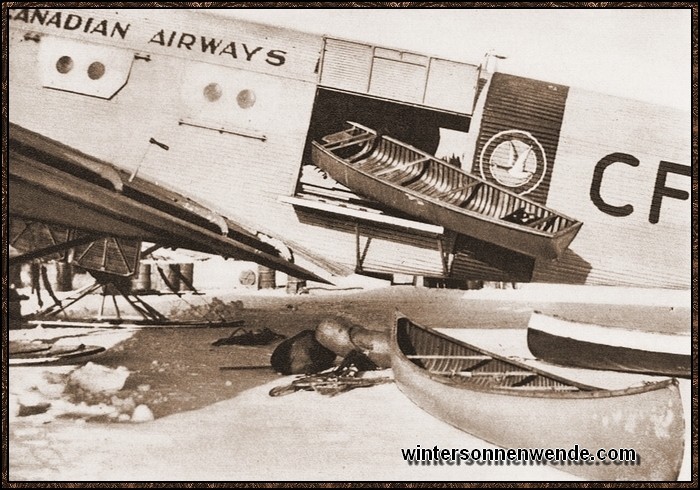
[(187, 279), (266, 278), (172, 274), (294, 285), (64, 276), (156, 281), (142, 278)]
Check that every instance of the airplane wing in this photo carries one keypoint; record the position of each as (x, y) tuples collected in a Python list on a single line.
[(56, 184)]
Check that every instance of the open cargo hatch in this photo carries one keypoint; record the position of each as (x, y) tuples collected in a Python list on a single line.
[(399, 76)]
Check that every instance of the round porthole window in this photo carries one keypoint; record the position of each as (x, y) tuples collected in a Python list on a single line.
[(64, 64), (212, 92), (246, 99), (96, 70)]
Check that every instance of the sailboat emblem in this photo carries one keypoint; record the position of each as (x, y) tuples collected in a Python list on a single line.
[(515, 159)]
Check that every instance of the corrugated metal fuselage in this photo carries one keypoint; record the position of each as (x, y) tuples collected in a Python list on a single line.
[(223, 111)]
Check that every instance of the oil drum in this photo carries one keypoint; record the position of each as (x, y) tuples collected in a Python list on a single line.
[(142, 278), (187, 279), (266, 278)]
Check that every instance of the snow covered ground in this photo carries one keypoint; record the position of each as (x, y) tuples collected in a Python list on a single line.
[(304, 436)]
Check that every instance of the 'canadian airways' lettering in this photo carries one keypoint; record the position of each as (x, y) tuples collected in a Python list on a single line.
[(170, 39)]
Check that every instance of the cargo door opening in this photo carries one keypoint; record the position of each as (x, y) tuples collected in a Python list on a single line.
[(420, 127)]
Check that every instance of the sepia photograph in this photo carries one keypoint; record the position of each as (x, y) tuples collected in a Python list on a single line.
[(399, 242)]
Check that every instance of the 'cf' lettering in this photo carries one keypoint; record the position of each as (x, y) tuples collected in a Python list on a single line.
[(660, 188)]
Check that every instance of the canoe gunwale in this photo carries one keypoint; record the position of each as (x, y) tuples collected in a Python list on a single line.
[(585, 391), (584, 332), (584, 345)]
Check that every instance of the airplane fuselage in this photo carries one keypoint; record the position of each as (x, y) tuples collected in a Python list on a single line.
[(225, 110)]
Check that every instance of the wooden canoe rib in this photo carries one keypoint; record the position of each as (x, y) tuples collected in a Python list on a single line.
[(567, 343), (513, 405), (414, 182)]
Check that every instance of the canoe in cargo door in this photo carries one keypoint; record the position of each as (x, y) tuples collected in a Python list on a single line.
[(414, 182), (514, 405)]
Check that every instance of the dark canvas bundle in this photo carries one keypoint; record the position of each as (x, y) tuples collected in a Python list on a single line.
[(301, 354)]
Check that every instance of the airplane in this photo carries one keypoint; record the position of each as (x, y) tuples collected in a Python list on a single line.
[(196, 109)]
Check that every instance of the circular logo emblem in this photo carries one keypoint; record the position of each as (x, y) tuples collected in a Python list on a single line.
[(514, 159)]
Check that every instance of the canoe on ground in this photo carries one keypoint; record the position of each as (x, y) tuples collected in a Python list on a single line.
[(416, 183), (513, 405), (30, 353), (589, 346)]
